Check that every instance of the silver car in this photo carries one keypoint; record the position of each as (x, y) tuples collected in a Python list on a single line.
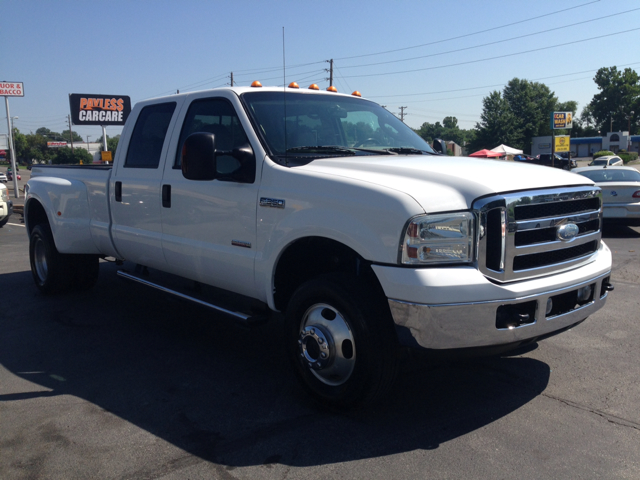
[(3, 177), (620, 192), (608, 160)]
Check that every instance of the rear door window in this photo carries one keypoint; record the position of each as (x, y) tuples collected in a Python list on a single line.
[(148, 136)]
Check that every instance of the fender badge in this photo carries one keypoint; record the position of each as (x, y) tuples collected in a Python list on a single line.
[(271, 202), (239, 243), (568, 232)]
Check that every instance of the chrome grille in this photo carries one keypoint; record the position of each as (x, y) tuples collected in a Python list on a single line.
[(520, 234)]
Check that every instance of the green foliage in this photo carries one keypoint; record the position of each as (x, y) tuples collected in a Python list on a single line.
[(628, 156), (112, 142), (619, 95), (497, 125), (602, 153), (448, 130), (76, 137), (66, 156), (521, 112)]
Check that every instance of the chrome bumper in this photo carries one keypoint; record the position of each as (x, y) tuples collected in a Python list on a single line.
[(465, 325)]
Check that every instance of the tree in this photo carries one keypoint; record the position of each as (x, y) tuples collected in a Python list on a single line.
[(531, 103), (112, 142), (66, 156), (619, 95), (497, 125), (448, 130), (76, 137)]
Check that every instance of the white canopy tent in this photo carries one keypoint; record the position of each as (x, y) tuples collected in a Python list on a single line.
[(504, 149)]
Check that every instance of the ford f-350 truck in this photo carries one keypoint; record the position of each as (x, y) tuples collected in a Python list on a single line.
[(328, 209)]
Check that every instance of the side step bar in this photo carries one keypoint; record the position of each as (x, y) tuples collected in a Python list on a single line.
[(242, 318)]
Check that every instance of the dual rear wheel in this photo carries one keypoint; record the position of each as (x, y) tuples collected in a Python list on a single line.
[(55, 272)]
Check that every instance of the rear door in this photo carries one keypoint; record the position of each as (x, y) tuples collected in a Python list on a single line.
[(135, 190)]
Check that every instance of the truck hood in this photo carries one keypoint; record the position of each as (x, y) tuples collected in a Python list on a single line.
[(440, 183)]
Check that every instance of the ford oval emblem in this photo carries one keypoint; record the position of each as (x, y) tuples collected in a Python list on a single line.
[(568, 232)]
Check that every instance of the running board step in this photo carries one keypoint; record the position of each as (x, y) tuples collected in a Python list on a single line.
[(247, 320)]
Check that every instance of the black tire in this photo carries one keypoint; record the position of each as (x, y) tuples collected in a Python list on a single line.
[(341, 341), (51, 270), (4, 222)]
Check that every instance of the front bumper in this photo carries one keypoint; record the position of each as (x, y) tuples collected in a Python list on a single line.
[(6, 209), (466, 316)]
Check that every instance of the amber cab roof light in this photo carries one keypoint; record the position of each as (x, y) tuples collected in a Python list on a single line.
[(294, 85), (332, 89), (256, 84), (313, 86), (356, 94)]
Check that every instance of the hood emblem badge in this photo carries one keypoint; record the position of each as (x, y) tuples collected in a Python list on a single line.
[(567, 232)]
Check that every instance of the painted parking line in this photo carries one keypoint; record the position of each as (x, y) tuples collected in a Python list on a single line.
[(16, 224)]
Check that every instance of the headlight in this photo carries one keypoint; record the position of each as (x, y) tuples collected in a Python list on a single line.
[(443, 238), (4, 195)]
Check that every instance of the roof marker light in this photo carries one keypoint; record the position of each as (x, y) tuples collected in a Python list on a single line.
[(313, 86), (356, 94), (256, 83), (294, 85), (332, 89)]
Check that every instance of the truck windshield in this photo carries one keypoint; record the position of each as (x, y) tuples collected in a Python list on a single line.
[(328, 125)]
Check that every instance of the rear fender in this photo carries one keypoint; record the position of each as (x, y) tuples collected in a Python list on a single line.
[(66, 205)]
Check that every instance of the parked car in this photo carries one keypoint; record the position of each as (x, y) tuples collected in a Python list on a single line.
[(6, 206), (3, 177), (620, 192), (522, 158), (557, 162), (607, 161)]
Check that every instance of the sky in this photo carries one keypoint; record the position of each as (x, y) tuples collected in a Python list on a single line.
[(437, 59)]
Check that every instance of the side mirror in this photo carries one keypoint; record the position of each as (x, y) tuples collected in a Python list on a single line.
[(440, 146), (199, 157), (246, 171)]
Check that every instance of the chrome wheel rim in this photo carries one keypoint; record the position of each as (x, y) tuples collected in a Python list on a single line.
[(40, 260), (326, 344)]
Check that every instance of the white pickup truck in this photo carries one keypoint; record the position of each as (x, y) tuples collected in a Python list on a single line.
[(327, 208)]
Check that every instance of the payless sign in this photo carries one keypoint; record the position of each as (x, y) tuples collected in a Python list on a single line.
[(90, 109)]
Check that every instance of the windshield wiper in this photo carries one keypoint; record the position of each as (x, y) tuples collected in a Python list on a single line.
[(408, 151), (322, 149)]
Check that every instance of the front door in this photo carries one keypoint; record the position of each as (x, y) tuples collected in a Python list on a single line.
[(209, 227)]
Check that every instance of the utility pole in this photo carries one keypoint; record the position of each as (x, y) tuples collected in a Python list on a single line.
[(402, 114), (70, 132), (232, 79), (330, 72)]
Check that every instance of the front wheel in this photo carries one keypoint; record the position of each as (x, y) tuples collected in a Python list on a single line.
[(341, 341)]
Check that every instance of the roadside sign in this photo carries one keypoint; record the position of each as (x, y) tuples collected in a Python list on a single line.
[(106, 156), (561, 120), (95, 109), (4, 141), (11, 89), (563, 143), (56, 144)]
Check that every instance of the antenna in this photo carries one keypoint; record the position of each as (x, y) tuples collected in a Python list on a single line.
[(284, 98)]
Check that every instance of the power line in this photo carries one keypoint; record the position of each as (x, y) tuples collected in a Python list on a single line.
[(490, 43), (483, 31), (492, 86), (493, 58)]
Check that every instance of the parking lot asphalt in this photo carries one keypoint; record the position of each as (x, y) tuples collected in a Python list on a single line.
[(123, 382)]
